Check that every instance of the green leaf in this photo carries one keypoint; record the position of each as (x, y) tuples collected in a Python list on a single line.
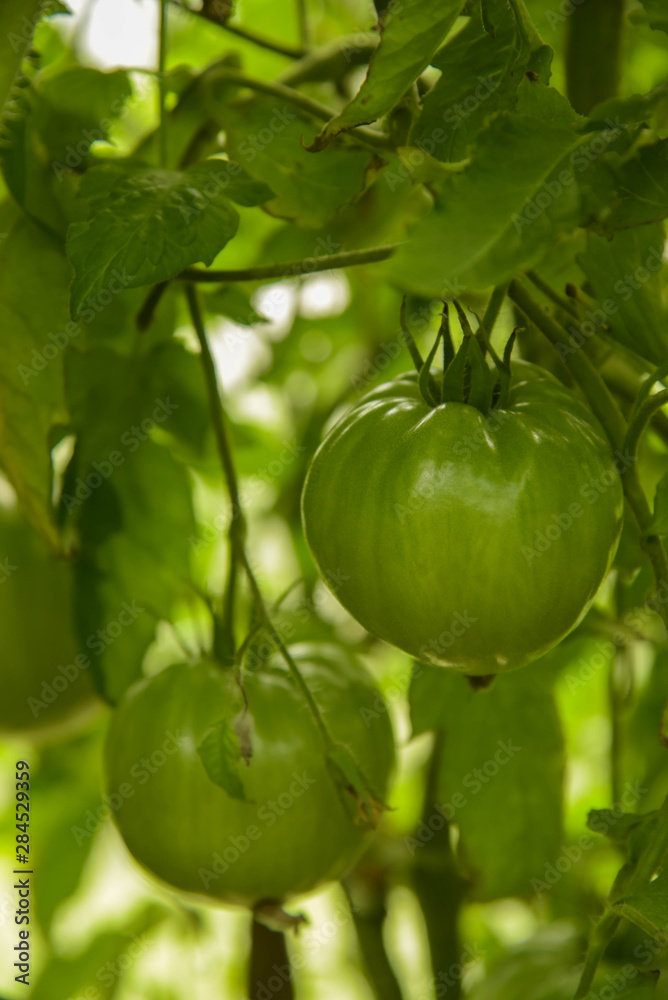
[(310, 190), (132, 503), (147, 225), (631, 110), (49, 144), (613, 825), (233, 302), (657, 13), (648, 909), (220, 753), (625, 275), (74, 108), (501, 774), (34, 321), (410, 35), (498, 215), (18, 19), (480, 74), (641, 187), (659, 523)]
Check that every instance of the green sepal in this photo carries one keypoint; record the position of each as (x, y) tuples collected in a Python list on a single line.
[(452, 389), (482, 379), (503, 369), (448, 346), (426, 381)]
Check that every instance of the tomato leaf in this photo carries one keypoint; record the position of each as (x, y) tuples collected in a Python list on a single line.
[(647, 909), (501, 774), (657, 14), (220, 752), (498, 215), (480, 73), (133, 565), (640, 189), (14, 42), (146, 225), (310, 190), (410, 36), (625, 273), (34, 320)]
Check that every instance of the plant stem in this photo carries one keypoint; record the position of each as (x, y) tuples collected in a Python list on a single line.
[(598, 395), (162, 93), (208, 12), (600, 938), (269, 953), (649, 861), (593, 48), (322, 112), (493, 309), (236, 531), (605, 408), (641, 418), (302, 20), (309, 265), (549, 293)]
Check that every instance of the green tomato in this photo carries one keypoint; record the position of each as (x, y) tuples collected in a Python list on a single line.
[(45, 679), (469, 541), (293, 832)]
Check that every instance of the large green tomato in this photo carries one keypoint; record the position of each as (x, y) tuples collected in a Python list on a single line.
[(293, 832), (45, 679), (469, 541)]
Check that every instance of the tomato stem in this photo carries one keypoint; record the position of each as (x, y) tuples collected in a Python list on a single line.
[(647, 865), (237, 529), (492, 311), (268, 953), (162, 87), (291, 269), (549, 293), (208, 11)]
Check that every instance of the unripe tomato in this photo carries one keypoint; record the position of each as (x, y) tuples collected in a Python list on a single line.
[(43, 683), (468, 540), (293, 832)]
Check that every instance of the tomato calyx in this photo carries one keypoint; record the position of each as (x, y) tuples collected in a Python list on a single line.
[(467, 377)]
